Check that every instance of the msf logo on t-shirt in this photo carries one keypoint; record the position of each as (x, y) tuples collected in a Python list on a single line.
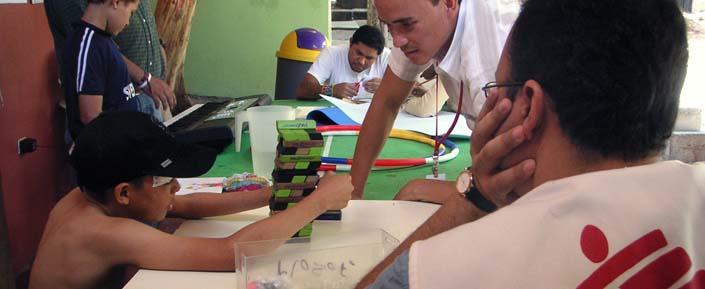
[(664, 271), (129, 91)]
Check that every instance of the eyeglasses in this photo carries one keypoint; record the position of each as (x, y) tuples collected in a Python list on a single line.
[(493, 84), (158, 181)]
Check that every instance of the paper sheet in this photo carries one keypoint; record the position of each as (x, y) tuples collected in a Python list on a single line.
[(426, 125), (200, 185)]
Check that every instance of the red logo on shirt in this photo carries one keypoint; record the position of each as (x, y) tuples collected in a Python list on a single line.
[(663, 272)]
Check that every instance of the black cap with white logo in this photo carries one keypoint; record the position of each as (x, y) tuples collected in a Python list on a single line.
[(120, 146)]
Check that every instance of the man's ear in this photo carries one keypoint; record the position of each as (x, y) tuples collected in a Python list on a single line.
[(121, 192), (537, 107), (451, 4)]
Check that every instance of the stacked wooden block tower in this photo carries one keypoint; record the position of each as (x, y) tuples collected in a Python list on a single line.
[(295, 172)]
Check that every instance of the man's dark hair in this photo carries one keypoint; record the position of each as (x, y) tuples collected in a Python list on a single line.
[(370, 36), (613, 69)]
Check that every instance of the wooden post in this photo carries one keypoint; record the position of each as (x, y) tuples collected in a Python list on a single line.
[(373, 20), (174, 25)]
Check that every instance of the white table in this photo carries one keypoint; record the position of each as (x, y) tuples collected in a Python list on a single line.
[(398, 218)]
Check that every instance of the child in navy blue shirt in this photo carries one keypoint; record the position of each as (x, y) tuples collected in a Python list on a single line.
[(96, 76)]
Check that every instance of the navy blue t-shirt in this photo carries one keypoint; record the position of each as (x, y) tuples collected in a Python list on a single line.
[(93, 65)]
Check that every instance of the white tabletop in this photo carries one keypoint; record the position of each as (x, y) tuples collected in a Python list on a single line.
[(398, 218)]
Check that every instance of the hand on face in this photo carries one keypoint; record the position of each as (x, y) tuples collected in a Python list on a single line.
[(345, 90), (334, 191), (488, 150)]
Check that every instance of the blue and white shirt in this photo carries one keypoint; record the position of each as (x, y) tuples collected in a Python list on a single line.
[(93, 65)]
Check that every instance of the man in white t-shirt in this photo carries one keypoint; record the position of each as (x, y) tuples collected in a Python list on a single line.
[(461, 39), (347, 70), (593, 105)]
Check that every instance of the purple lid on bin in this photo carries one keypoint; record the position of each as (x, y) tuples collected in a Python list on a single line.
[(309, 38)]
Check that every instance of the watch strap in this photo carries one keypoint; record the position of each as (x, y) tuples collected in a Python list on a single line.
[(474, 196)]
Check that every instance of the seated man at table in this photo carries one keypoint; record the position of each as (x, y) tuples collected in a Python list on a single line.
[(590, 91), (348, 70), (126, 164)]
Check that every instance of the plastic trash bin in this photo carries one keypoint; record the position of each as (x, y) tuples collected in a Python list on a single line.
[(298, 51)]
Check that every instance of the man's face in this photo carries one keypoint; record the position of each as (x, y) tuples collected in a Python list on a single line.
[(150, 203), (119, 17), (361, 57), (418, 28)]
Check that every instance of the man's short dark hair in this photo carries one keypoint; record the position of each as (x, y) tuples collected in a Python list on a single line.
[(370, 36), (613, 69)]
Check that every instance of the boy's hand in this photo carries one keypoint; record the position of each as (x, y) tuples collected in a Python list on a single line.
[(333, 192)]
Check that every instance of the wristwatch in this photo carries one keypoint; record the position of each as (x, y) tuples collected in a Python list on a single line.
[(467, 187)]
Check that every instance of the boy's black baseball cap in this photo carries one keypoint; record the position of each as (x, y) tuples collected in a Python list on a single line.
[(120, 146)]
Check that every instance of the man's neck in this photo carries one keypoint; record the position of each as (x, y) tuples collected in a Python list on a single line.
[(95, 16), (557, 158), (444, 49)]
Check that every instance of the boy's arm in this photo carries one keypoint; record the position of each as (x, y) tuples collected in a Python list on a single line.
[(376, 126), (89, 107), (131, 242), (333, 193), (309, 88), (199, 205)]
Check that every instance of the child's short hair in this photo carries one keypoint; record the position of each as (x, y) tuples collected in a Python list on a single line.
[(123, 146)]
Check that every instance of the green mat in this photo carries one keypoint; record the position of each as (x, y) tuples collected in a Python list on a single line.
[(381, 185)]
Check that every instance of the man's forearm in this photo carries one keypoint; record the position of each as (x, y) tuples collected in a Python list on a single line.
[(376, 126), (308, 89), (136, 72), (454, 212), (373, 134)]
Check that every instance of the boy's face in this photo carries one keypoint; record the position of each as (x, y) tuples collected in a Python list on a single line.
[(119, 15), (151, 203), (361, 57)]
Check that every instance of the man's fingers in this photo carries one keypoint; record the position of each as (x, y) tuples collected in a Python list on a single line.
[(486, 127), (504, 182), (171, 97), (498, 148), (490, 102)]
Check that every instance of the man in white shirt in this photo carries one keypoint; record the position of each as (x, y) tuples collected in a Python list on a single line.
[(347, 70), (593, 87), (462, 39)]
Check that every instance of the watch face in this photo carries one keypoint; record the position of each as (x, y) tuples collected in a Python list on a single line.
[(463, 182)]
